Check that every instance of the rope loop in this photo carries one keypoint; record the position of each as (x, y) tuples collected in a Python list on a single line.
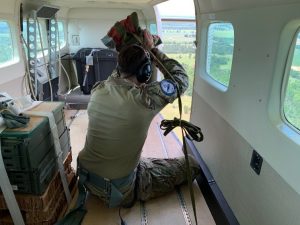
[(192, 131)]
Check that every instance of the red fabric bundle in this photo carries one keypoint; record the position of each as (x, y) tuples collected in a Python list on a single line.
[(121, 33)]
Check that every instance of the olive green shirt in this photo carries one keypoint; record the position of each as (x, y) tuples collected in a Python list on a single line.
[(119, 117)]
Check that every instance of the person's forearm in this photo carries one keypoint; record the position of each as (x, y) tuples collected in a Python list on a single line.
[(175, 69)]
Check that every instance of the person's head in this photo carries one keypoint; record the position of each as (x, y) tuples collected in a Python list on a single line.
[(133, 60)]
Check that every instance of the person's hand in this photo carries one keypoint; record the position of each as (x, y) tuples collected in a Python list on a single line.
[(148, 40)]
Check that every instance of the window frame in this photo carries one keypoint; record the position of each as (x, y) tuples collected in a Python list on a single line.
[(285, 81), (15, 51), (63, 22), (217, 84)]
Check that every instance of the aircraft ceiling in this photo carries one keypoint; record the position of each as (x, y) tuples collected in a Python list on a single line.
[(97, 3), (209, 6)]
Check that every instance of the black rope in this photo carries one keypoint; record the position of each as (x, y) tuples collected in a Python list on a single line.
[(192, 131)]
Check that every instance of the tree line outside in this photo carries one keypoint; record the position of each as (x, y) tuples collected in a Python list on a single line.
[(292, 98), (178, 43)]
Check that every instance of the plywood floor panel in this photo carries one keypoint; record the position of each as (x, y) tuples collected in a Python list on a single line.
[(166, 210), (152, 146)]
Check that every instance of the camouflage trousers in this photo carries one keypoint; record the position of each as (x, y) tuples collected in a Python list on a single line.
[(152, 178)]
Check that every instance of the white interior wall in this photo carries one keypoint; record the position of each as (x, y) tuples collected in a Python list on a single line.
[(255, 200), (209, 6), (245, 105), (90, 25), (14, 87), (7, 7), (242, 119)]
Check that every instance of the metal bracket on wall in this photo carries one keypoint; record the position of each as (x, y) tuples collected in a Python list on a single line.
[(32, 52), (53, 40)]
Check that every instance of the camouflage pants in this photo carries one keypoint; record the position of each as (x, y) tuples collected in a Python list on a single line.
[(153, 178)]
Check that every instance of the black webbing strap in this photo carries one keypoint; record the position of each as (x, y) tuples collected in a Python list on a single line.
[(190, 131)]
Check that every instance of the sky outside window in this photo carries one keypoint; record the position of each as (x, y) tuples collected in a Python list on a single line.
[(177, 9)]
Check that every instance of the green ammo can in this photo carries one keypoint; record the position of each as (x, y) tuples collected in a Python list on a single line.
[(29, 154)]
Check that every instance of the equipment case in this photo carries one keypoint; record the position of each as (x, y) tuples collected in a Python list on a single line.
[(104, 62), (35, 180), (24, 148)]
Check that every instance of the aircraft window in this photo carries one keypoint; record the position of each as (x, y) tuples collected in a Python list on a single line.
[(6, 43), (291, 105), (220, 44)]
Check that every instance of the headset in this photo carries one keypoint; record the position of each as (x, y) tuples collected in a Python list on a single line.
[(143, 71)]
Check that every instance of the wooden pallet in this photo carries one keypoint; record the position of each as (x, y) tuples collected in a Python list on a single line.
[(49, 214)]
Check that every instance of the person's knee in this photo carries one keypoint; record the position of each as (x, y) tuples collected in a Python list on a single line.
[(192, 161)]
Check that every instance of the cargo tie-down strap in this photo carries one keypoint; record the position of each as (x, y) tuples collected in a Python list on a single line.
[(57, 147), (7, 191)]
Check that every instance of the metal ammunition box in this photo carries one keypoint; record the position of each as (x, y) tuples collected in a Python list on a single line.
[(24, 150), (36, 181), (29, 153)]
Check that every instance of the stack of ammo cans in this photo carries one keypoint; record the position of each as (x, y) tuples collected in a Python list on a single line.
[(31, 163)]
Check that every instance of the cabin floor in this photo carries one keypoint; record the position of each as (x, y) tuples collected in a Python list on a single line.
[(174, 208)]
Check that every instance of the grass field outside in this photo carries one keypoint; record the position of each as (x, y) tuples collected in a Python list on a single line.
[(179, 45), (172, 110)]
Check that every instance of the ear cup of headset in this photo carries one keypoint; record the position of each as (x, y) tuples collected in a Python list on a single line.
[(144, 72)]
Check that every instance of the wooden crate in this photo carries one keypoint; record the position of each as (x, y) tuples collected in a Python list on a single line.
[(48, 215)]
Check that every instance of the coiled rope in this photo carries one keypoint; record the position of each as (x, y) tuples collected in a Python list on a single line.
[(191, 131)]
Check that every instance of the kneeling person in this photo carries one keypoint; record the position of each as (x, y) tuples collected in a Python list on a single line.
[(120, 112)]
